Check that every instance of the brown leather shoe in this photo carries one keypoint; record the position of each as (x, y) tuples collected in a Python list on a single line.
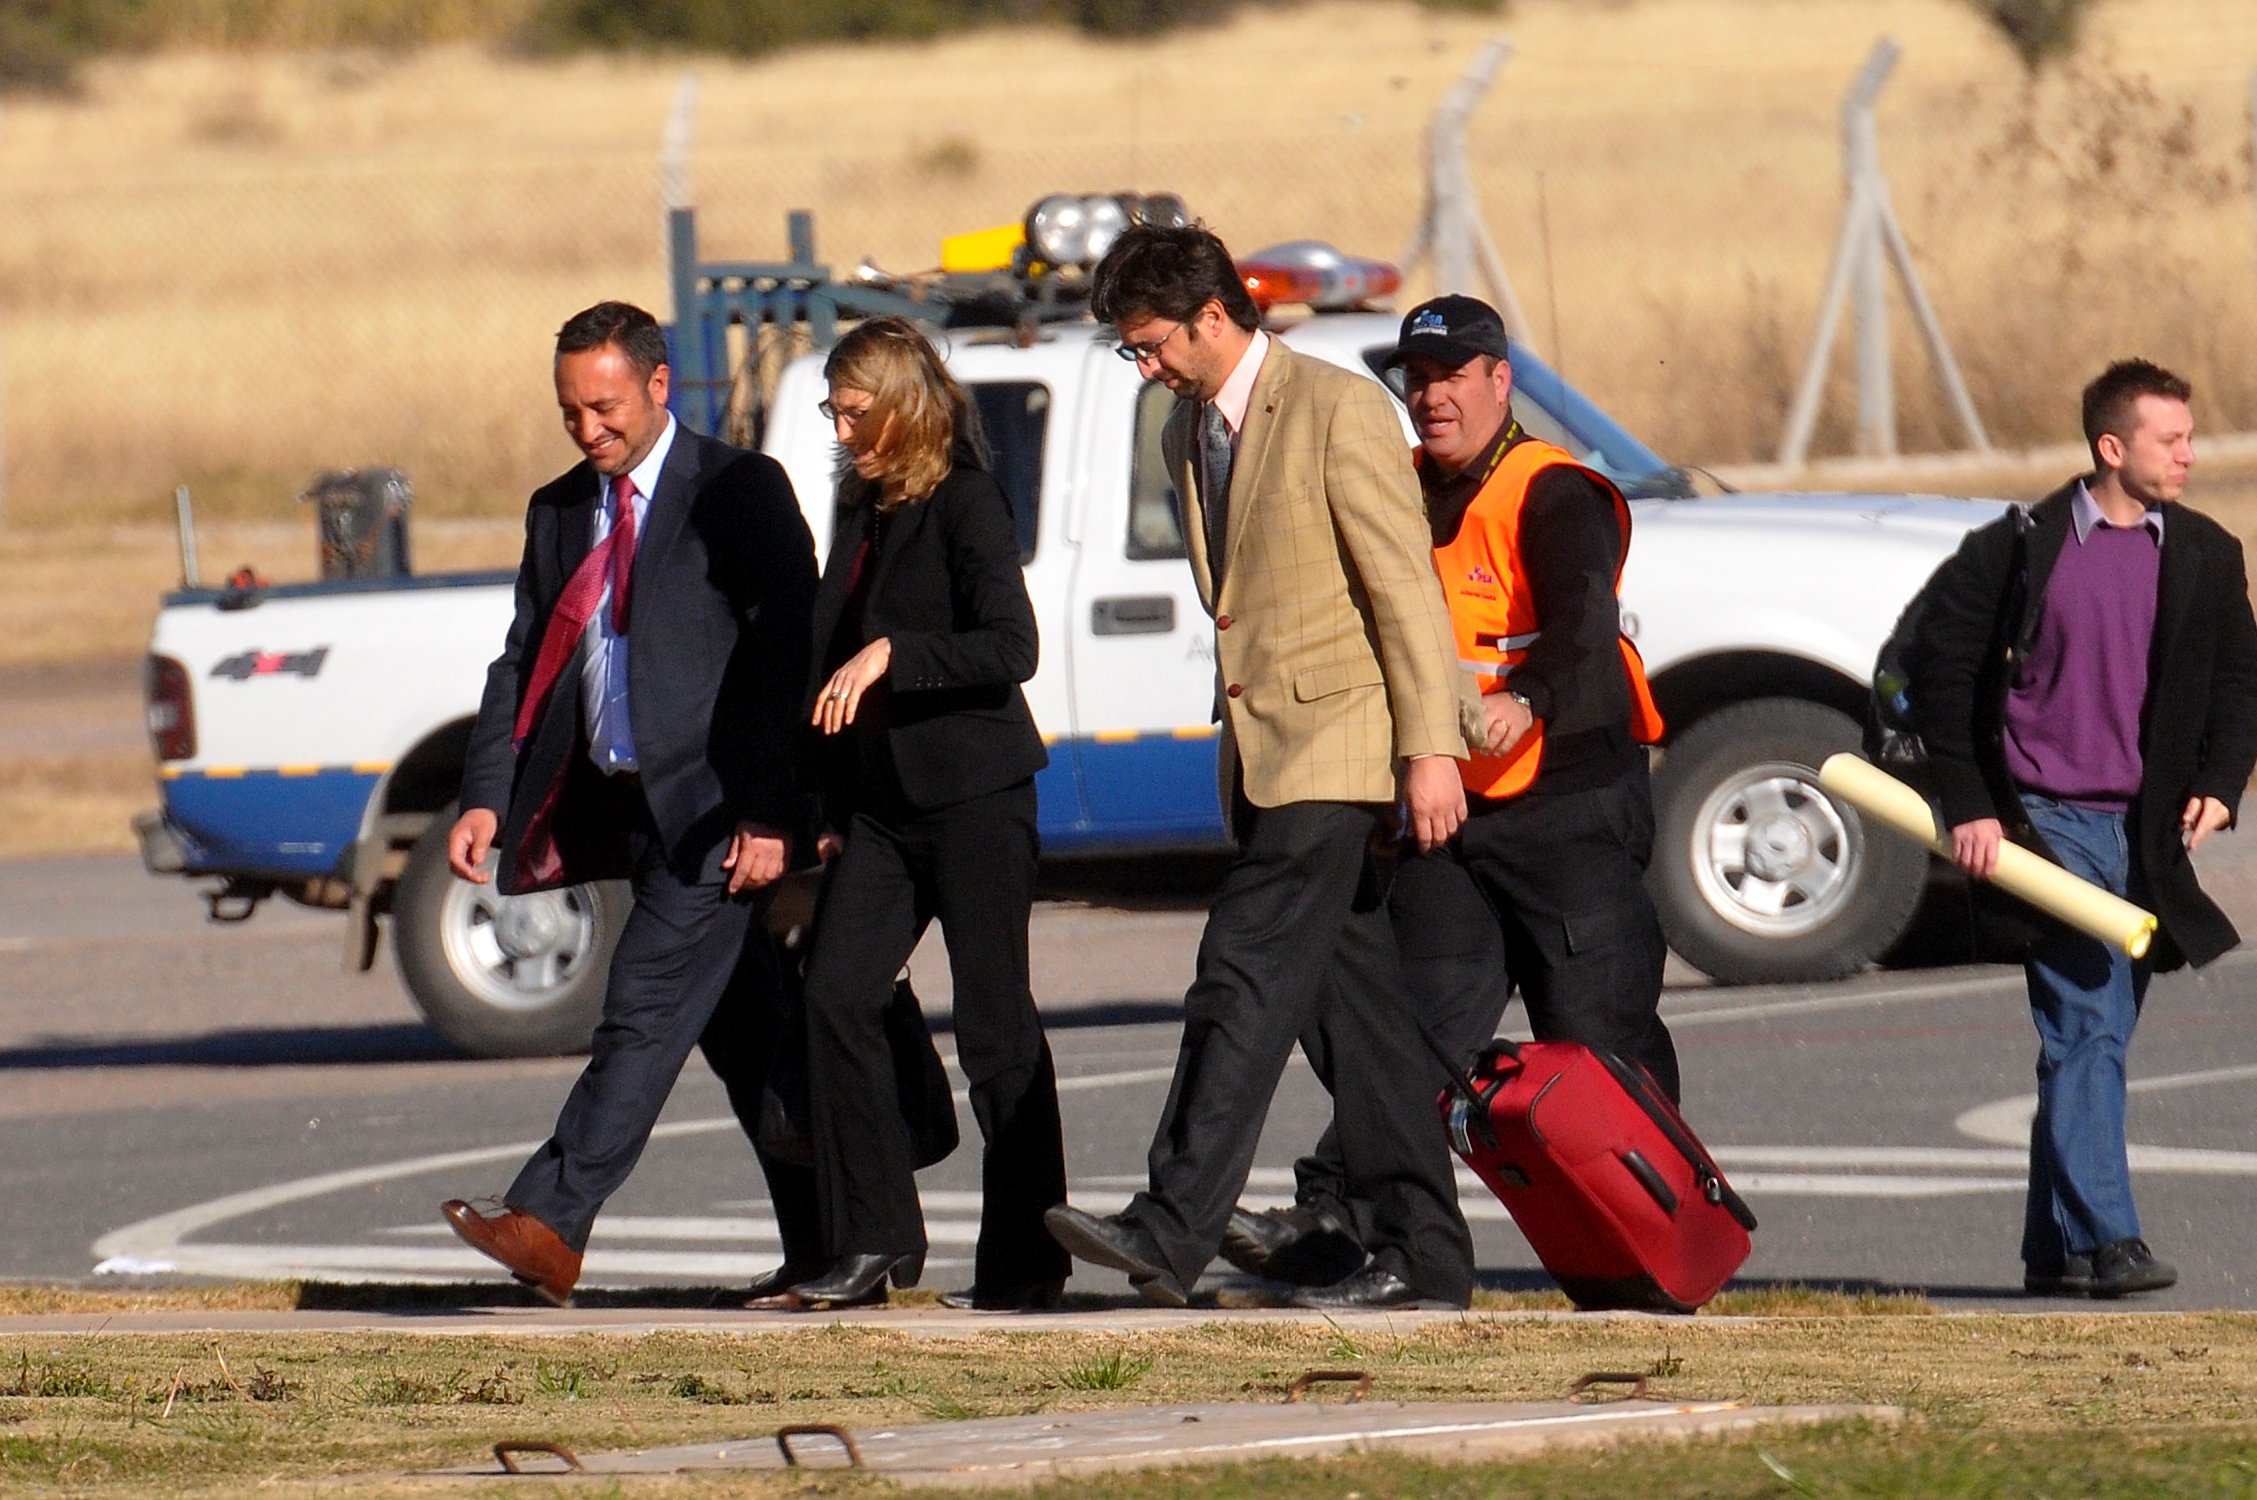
[(527, 1248)]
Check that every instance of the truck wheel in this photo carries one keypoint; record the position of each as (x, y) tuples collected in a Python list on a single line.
[(1760, 877), (502, 976)]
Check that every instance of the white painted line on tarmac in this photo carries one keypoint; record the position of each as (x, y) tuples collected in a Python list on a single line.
[(2007, 1121), (161, 1239), (1680, 1008), (405, 1263), (1273, 1186), (1971, 1158), (1860, 1185), (1913, 994), (753, 1229), (737, 1245)]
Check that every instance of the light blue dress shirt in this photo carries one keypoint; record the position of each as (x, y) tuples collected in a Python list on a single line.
[(603, 664), (2084, 512)]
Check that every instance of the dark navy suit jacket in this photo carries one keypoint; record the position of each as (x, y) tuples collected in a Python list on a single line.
[(717, 653)]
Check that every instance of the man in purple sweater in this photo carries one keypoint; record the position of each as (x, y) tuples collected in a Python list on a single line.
[(2091, 693)]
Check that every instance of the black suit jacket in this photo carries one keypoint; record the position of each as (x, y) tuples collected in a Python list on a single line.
[(950, 595), (717, 654), (2198, 731)]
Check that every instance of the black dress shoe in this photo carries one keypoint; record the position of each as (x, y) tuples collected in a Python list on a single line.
[(1373, 1286), (2129, 1266), (859, 1280), (1121, 1245), (1303, 1245), (773, 1292), (2072, 1278), (1043, 1296)]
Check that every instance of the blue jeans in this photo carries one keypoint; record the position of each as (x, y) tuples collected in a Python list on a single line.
[(2085, 998)]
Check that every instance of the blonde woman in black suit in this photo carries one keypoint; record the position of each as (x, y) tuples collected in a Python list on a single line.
[(926, 756)]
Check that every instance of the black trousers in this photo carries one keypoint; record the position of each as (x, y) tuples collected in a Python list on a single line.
[(693, 967), (971, 866), (1545, 893), (1298, 945)]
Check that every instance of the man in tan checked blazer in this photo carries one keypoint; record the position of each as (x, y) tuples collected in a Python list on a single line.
[(1340, 695)]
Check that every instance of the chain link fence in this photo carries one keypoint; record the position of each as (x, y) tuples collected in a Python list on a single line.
[(251, 290)]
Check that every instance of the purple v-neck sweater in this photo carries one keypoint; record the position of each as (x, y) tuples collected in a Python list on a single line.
[(2073, 713)]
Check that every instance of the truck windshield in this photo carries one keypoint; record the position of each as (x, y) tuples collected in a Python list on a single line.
[(1551, 409)]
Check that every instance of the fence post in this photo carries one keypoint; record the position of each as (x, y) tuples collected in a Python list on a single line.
[(693, 377), (1450, 227), (674, 147), (1871, 244), (1802, 416), (1861, 165)]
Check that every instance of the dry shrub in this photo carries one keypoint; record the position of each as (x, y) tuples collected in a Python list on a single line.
[(2090, 165), (237, 118)]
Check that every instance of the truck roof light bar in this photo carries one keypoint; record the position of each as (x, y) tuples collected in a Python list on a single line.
[(1076, 229), (1313, 272)]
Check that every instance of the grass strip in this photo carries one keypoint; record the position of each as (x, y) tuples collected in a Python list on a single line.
[(2106, 1405)]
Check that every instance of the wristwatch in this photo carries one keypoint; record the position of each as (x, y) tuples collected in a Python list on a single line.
[(1522, 700)]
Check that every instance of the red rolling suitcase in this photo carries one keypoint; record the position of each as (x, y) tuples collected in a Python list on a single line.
[(1614, 1192)]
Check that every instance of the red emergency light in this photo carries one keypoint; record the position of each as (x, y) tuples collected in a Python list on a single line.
[(1313, 272)]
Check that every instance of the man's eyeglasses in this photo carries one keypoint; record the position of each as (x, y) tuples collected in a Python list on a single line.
[(833, 412), (1139, 353)]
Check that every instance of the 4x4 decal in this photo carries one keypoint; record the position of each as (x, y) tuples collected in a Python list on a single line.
[(245, 665)]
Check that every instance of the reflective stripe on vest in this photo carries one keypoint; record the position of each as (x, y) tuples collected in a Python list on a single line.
[(1493, 613), (1519, 642)]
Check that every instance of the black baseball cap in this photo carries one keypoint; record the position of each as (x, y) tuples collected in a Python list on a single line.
[(1450, 330)]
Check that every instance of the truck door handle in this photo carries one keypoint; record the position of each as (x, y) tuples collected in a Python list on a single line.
[(1143, 614)]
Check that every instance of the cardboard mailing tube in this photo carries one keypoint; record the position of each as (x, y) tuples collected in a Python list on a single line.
[(2042, 883)]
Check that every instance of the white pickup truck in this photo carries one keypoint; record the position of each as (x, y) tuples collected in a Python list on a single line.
[(310, 738)]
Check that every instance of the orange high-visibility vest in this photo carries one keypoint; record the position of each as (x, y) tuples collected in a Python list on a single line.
[(1493, 611)]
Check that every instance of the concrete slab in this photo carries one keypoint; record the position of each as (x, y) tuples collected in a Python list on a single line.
[(997, 1452)]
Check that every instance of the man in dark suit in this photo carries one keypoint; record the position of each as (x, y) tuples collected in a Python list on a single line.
[(2091, 693), (639, 725)]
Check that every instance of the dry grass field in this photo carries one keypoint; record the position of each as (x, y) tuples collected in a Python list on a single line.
[(75, 604), (234, 269), (237, 268)]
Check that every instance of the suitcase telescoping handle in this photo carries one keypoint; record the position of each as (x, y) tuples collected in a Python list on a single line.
[(1476, 1106)]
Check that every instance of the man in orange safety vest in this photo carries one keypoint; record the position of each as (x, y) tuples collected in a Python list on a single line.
[(1542, 889)]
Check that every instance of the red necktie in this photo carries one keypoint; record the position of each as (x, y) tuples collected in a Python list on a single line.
[(610, 560), (622, 541)]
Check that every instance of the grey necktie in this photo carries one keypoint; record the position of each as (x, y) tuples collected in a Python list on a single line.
[(1214, 481)]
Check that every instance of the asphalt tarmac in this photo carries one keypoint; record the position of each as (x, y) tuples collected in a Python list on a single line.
[(179, 1099)]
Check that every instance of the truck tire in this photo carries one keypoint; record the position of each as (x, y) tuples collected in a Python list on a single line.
[(1760, 877), (502, 976)]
